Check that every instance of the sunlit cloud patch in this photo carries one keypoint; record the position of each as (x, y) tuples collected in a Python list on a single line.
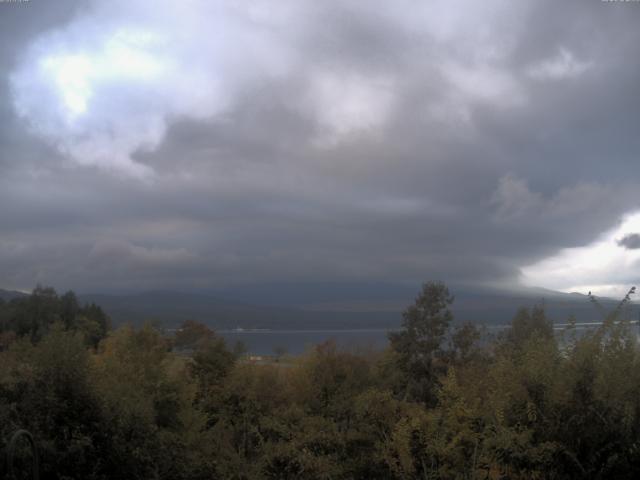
[(105, 98), (608, 266)]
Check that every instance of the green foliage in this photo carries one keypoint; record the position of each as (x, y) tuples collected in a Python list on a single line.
[(527, 324), (34, 315), (417, 346), (47, 389), (191, 334), (440, 403)]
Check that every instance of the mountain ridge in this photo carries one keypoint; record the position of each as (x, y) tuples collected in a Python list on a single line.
[(7, 295), (322, 309), (482, 306)]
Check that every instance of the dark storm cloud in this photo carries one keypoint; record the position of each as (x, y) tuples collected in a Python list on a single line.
[(369, 141), (630, 242)]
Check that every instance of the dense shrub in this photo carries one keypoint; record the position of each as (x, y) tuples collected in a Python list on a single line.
[(440, 402)]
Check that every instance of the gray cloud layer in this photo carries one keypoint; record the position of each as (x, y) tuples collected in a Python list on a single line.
[(630, 242), (302, 141)]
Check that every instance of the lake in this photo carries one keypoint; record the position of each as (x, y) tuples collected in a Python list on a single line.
[(263, 342)]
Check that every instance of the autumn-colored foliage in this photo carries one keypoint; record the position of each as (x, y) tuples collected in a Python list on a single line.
[(441, 402)]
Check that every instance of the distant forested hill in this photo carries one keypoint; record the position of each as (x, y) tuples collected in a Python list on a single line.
[(490, 307), (10, 294), (172, 308)]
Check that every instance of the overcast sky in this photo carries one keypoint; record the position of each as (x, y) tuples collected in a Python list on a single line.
[(206, 144)]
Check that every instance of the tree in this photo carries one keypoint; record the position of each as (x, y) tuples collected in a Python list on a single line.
[(463, 343), (47, 388), (418, 345), (191, 334), (93, 322), (211, 362), (34, 315), (148, 403), (526, 325)]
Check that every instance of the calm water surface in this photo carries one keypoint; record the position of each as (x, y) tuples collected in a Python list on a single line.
[(264, 342)]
